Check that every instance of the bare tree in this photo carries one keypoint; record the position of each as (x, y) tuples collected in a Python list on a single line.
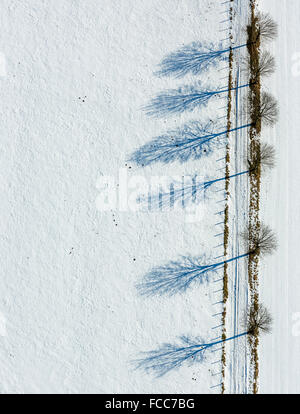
[(267, 156), (258, 320), (268, 111), (263, 242), (264, 158), (171, 356), (267, 27), (265, 110), (266, 65)]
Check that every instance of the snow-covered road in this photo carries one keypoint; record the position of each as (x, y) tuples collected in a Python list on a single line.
[(280, 275)]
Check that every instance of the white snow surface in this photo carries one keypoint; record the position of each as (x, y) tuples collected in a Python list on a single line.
[(77, 75), (280, 282), (74, 77)]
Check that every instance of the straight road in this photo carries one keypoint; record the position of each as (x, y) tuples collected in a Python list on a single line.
[(280, 275)]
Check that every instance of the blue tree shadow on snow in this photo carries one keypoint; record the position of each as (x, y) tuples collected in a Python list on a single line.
[(186, 98), (194, 58), (178, 276), (193, 141), (172, 356), (185, 194)]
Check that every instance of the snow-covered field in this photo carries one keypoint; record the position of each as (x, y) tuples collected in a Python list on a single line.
[(74, 79)]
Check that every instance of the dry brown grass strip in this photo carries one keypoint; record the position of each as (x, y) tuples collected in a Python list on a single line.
[(254, 176), (226, 212)]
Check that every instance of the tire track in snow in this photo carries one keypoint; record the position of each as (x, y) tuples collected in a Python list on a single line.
[(218, 303), (236, 232), (240, 275), (239, 369)]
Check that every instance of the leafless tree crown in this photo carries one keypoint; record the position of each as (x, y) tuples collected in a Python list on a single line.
[(258, 320), (268, 111), (264, 158), (265, 242), (267, 27), (267, 156), (266, 65)]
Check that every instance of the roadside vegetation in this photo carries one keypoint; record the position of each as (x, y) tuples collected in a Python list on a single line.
[(170, 356), (263, 109), (197, 140)]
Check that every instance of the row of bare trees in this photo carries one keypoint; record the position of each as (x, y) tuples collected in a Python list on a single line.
[(181, 145), (263, 110)]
